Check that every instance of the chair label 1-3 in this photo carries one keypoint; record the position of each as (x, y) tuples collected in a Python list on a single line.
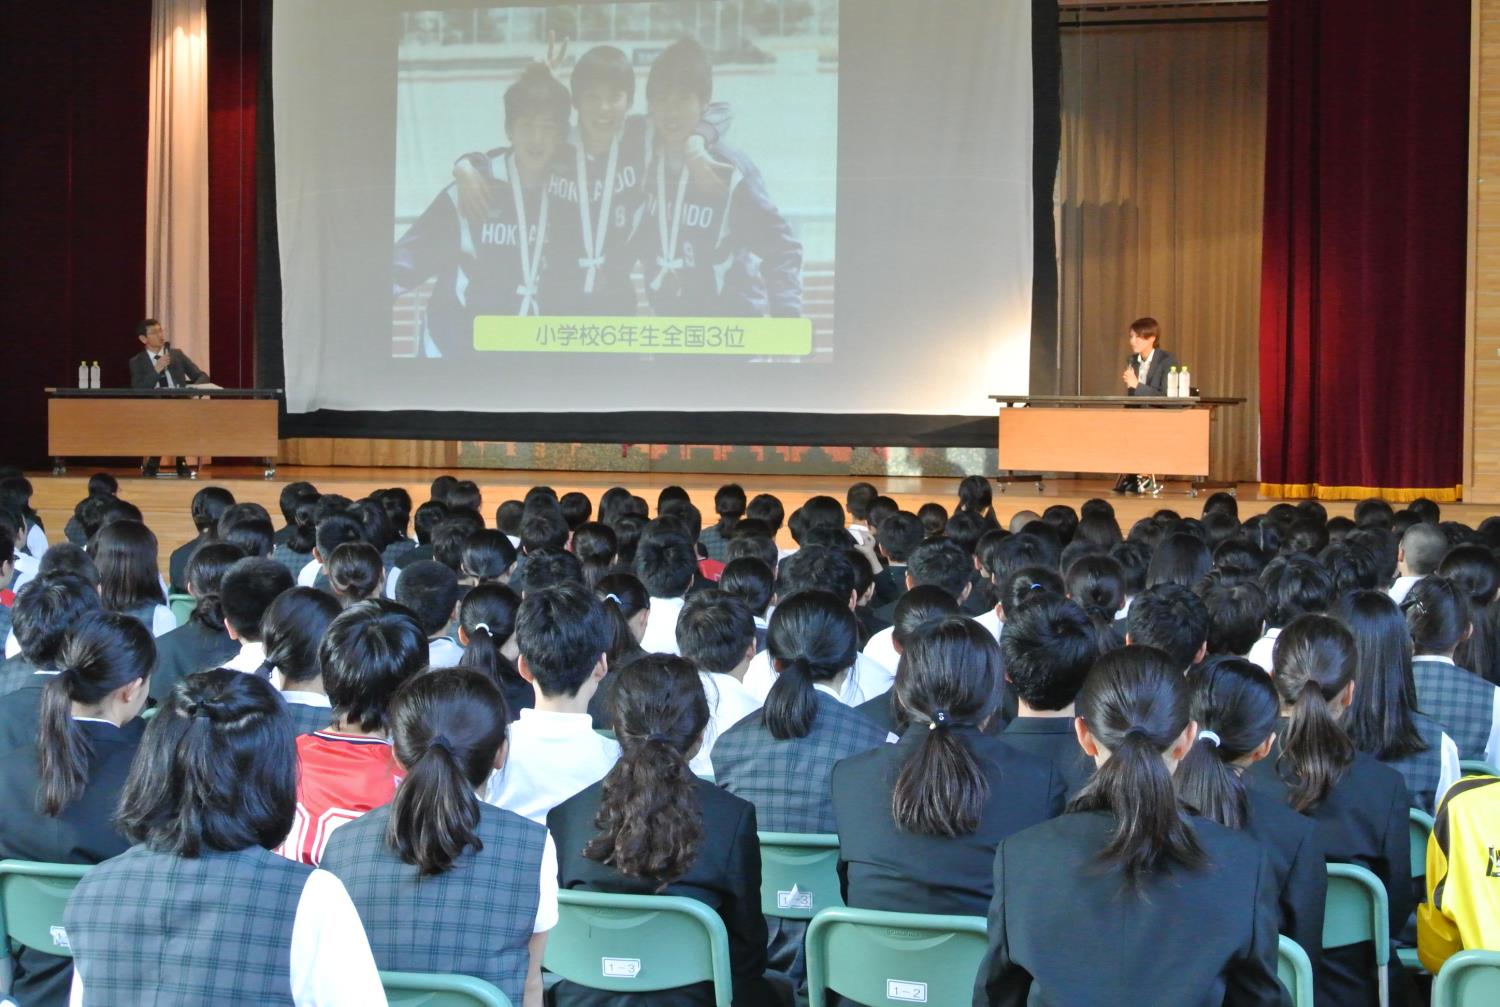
[(60, 938), (794, 899), (906, 991), (621, 968)]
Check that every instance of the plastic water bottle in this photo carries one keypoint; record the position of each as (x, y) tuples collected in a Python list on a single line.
[(83, 374), (94, 375), (1184, 383), (1172, 383)]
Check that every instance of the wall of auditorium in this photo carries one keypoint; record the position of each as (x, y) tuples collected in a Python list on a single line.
[(1482, 378)]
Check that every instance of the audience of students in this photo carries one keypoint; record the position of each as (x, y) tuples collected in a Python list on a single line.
[(203, 641)]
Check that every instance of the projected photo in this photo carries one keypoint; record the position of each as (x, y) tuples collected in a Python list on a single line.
[(636, 178)]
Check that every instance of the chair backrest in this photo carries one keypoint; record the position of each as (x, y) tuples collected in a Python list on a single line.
[(799, 874), (182, 606), (32, 898), (426, 989), (1294, 969), (639, 943), (1419, 823), (881, 958), (1477, 767), (1356, 911), (1468, 979)]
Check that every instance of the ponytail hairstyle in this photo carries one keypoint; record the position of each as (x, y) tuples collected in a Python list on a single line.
[(813, 637), (292, 629), (487, 556), (1235, 707), (205, 574), (355, 572), (446, 728), (1379, 721), (125, 553), (1476, 569), (950, 670), (623, 597), (1314, 660), (1097, 585), (304, 528), (594, 545), (1437, 615), (487, 615), (1135, 703), (101, 653), (650, 822)]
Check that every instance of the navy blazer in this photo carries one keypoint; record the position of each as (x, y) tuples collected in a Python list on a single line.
[(1055, 739), (1155, 381)]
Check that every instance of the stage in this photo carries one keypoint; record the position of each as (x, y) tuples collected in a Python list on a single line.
[(165, 500)]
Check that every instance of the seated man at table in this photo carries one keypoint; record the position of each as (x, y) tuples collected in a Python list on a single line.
[(159, 366)]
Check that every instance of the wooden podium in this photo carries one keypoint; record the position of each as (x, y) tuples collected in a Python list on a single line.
[(1106, 434), (197, 422)]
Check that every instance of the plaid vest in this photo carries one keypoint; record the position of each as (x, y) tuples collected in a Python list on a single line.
[(1462, 702), (474, 919), (159, 930), (1421, 771)]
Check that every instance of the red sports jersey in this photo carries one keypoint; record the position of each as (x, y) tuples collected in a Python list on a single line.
[(339, 778)]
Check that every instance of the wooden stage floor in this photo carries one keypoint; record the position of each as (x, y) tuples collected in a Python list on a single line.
[(165, 500)]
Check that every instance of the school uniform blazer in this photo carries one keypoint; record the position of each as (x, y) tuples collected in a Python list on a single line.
[(1065, 930), (1054, 739), (143, 374), (725, 876), (1155, 380), (884, 867), (190, 648), (20, 712), (1298, 868), (890, 583), (14, 673), (178, 561)]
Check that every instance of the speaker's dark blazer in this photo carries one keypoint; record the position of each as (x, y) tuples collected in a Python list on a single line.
[(81, 834), (883, 867), (1363, 821), (143, 374), (1063, 929), (1155, 380), (725, 876)]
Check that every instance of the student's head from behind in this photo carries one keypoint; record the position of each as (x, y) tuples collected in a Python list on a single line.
[(45, 609), (898, 535), (1172, 619), (367, 653), (857, 500), (216, 770), (355, 572), (1295, 585), (205, 581), (678, 89), (537, 111), (548, 568), (716, 632), (751, 581), (918, 606), (1144, 335), (816, 568), (1379, 719), (562, 633), (104, 669), (431, 591), (486, 623), (941, 563), (665, 561), (1314, 664), (333, 531), (209, 504), (813, 639), (247, 590), (626, 606), (447, 730), (650, 822), (293, 495), (1236, 616), (1234, 705), (292, 630), (1049, 646), (151, 334), (1422, 549), (1097, 584), (125, 553), (1181, 558), (1133, 721), (1437, 615)]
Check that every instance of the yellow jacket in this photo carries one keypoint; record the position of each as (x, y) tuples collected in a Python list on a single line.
[(1462, 911)]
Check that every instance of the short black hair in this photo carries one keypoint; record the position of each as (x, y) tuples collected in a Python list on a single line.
[(575, 508), (292, 629), (103, 484), (1134, 558), (65, 557), (745, 542), (561, 632), (1049, 645), (714, 630), (369, 651), (543, 529), (1295, 585), (508, 517), (487, 555), (1170, 618), (293, 494), (750, 580), (1236, 617), (729, 501), (858, 499), (256, 536), (940, 562), (430, 590), (815, 568), (768, 508), (209, 504), (548, 568), (44, 610), (247, 590), (334, 530), (665, 561), (898, 535), (428, 516)]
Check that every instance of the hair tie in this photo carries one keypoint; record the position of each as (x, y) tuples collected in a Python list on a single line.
[(939, 719), (1137, 733), (1210, 737), (264, 671), (658, 736), (440, 740), (614, 598), (198, 711), (484, 626)]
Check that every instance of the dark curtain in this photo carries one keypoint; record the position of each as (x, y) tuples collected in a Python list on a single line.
[(1363, 260), (233, 72)]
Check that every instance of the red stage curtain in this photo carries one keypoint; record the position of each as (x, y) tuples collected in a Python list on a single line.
[(233, 76), (1363, 260)]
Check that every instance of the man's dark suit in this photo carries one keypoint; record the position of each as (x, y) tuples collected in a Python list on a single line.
[(1155, 381), (143, 373)]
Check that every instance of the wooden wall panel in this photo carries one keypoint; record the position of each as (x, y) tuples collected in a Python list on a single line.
[(369, 452), (1482, 377)]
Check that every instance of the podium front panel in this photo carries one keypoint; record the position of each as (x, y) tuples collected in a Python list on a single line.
[(1130, 439), (136, 427)]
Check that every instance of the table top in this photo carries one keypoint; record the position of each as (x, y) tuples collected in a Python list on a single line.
[(190, 392), (1188, 402)]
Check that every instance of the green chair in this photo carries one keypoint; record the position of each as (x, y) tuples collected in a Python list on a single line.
[(182, 606), (1420, 826), (639, 943), (881, 958), (32, 898), (1468, 979), (426, 989), (799, 874), (1294, 969), (1477, 767), (1356, 912)]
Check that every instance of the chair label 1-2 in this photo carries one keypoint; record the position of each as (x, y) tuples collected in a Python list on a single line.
[(622, 968), (906, 991)]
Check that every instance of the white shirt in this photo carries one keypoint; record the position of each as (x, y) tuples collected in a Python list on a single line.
[(27, 566), (661, 626), (308, 575), (1492, 746), (1449, 772), (442, 652), (251, 656), (331, 962), (881, 648), (1402, 588), (162, 621), (552, 757), (546, 906), (729, 702), (318, 699), (866, 680), (991, 621), (390, 582), (1261, 650), (36, 541)]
